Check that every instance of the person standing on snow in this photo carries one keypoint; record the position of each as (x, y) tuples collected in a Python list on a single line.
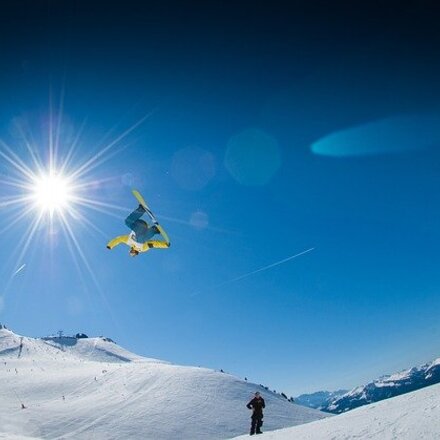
[(256, 405)]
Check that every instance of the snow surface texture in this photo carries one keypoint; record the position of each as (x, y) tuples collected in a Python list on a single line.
[(413, 416), (93, 389)]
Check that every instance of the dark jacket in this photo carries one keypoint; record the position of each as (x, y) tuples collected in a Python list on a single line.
[(257, 404)]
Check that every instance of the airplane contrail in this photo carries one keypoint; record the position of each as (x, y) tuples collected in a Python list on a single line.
[(19, 269), (261, 269)]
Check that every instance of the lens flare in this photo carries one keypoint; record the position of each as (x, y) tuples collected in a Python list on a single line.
[(52, 193)]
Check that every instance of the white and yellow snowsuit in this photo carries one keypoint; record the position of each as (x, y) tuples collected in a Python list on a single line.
[(140, 247), (141, 237)]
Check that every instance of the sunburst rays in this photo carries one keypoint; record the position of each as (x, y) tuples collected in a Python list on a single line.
[(50, 186)]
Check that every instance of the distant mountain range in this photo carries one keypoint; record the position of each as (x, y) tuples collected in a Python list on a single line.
[(320, 399), (380, 389)]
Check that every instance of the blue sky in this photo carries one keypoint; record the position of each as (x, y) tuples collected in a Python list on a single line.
[(237, 98)]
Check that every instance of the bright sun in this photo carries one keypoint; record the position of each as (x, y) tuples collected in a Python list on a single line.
[(52, 192)]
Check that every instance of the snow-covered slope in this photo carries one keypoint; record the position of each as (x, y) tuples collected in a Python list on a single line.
[(93, 389), (4, 436), (413, 416), (386, 387)]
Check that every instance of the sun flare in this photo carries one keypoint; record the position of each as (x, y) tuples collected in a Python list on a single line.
[(52, 193), (48, 191)]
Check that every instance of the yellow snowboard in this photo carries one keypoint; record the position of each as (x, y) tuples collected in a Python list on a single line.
[(141, 200)]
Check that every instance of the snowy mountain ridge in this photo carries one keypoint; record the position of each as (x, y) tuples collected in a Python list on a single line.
[(385, 387), (83, 388), (319, 399), (99, 349)]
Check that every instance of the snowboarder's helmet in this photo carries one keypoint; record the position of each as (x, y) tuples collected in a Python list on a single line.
[(133, 252)]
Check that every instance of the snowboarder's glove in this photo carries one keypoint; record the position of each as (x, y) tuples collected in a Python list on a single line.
[(108, 247)]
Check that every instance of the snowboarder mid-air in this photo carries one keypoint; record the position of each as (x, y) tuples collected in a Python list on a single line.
[(140, 238), (256, 405)]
